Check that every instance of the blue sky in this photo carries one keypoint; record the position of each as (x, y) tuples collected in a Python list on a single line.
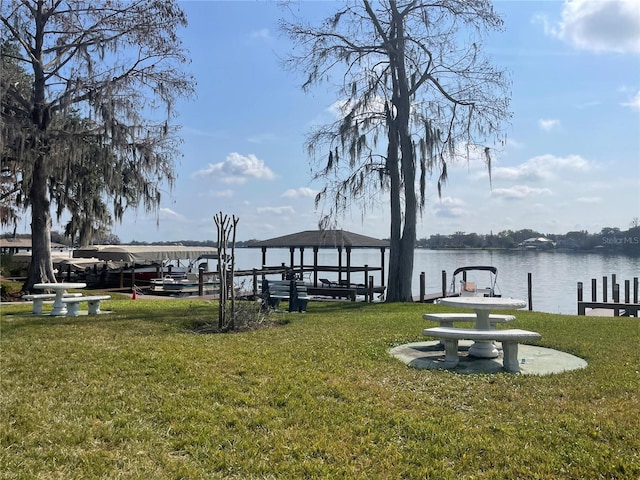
[(572, 161)]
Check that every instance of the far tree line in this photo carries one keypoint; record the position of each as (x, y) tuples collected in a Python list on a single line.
[(609, 239)]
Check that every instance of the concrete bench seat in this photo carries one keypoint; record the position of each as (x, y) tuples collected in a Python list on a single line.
[(447, 319), (93, 302), (509, 339), (39, 298)]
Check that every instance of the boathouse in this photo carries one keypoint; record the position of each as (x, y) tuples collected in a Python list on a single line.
[(342, 241)]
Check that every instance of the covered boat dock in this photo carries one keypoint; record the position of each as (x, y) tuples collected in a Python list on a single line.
[(150, 261), (341, 241)]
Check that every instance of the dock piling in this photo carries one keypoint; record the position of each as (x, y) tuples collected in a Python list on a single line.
[(625, 308)]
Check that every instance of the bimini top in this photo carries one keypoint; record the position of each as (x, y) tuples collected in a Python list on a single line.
[(493, 270), (145, 254), (321, 239)]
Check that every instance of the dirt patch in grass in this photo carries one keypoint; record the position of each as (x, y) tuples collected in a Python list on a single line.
[(211, 328)]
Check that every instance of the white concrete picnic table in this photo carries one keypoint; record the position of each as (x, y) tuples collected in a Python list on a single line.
[(483, 307), (59, 307)]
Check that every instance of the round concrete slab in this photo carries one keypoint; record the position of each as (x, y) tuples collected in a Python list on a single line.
[(533, 360)]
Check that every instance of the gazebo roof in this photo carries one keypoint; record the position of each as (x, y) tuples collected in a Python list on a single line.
[(322, 239)]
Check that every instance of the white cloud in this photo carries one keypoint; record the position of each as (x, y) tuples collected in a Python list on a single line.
[(548, 124), (570, 162), (542, 167), (599, 26), (450, 207), (519, 192), (263, 33), (285, 210), (302, 192), (520, 173), (634, 103), (237, 169), (168, 214)]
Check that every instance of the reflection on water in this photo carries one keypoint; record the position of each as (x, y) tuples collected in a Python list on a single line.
[(554, 274)]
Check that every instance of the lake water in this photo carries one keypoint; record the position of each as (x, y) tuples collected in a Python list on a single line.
[(554, 274)]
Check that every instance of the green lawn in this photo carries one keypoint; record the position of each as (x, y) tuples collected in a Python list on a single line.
[(132, 395)]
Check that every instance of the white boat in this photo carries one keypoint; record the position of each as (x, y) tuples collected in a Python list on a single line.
[(189, 284), (464, 286)]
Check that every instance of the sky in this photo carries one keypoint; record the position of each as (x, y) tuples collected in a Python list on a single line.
[(571, 161)]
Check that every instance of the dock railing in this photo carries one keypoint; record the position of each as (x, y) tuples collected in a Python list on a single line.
[(628, 308)]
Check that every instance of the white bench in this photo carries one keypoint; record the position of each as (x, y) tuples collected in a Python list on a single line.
[(509, 339), (447, 319), (39, 298), (93, 301)]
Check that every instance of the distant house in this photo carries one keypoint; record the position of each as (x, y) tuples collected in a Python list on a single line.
[(537, 243)]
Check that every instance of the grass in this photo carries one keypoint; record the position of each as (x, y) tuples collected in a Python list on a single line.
[(133, 395)]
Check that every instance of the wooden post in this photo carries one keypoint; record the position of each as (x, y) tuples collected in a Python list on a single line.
[(616, 293), (444, 283), (315, 266), (613, 284), (422, 287), (627, 290), (368, 296), (581, 309), (530, 291), (370, 288), (604, 289), (121, 278), (382, 249), (635, 289), (580, 291), (348, 250), (594, 293), (200, 281), (255, 283)]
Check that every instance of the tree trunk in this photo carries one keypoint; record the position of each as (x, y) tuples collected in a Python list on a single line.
[(408, 239), (402, 247), (395, 249), (41, 267)]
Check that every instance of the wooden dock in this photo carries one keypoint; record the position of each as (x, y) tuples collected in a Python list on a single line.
[(627, 308), (432, 297)]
